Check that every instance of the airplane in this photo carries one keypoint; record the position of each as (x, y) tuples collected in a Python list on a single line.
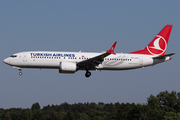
[(71, 62)]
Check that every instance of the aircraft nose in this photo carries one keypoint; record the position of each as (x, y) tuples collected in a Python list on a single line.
[(6, 61)]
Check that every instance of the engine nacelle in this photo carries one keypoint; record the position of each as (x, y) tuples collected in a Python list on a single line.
[(67, 67)]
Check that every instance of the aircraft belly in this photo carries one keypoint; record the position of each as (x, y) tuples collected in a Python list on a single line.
[(41, 64)]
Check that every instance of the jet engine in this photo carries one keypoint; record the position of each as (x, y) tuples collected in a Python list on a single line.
[(67, 67)]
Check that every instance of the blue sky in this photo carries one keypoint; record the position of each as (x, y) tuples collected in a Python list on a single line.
[(89, 26)]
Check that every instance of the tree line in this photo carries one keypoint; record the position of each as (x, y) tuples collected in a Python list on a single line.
[(164, 106)]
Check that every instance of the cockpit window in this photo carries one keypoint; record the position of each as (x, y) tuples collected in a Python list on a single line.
[(13, 56)]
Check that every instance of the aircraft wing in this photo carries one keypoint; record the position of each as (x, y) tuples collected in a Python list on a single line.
[(95, 61)]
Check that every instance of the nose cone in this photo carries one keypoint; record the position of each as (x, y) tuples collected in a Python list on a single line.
[(6, 61)]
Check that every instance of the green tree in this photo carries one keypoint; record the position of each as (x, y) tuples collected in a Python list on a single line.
[(154, 102), (151, 113), (171, 116), (167, 99), (122, 112), (35, 106), (37, 115), (26, 114), (68, 116), (97, 118), (65, 106), (177, 106), (84, 116), (92, 105), (52, 116), (76, 115), (7, 116)]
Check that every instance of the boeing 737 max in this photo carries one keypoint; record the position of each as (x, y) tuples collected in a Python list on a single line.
[(71, 62)]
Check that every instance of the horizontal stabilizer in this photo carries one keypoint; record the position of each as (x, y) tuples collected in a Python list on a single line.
[(163, 56)]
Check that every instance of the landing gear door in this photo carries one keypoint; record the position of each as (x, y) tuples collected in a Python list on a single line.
[(141, 60)]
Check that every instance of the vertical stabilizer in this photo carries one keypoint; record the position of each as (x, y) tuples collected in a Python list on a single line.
[(158, 45)]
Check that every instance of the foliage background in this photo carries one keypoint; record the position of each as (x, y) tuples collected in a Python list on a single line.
[(164, 106)]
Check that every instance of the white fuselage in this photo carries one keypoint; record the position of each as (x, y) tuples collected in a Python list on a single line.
[(51, 60)]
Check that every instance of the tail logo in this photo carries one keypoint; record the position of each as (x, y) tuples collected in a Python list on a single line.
[(157, 46)]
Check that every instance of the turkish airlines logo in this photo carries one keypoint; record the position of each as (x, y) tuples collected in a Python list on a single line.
[(157, 46)]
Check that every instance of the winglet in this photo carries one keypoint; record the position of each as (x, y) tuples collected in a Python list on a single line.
[(111, 50)]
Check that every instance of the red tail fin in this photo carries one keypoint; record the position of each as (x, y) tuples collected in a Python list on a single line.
[(158, 45)]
